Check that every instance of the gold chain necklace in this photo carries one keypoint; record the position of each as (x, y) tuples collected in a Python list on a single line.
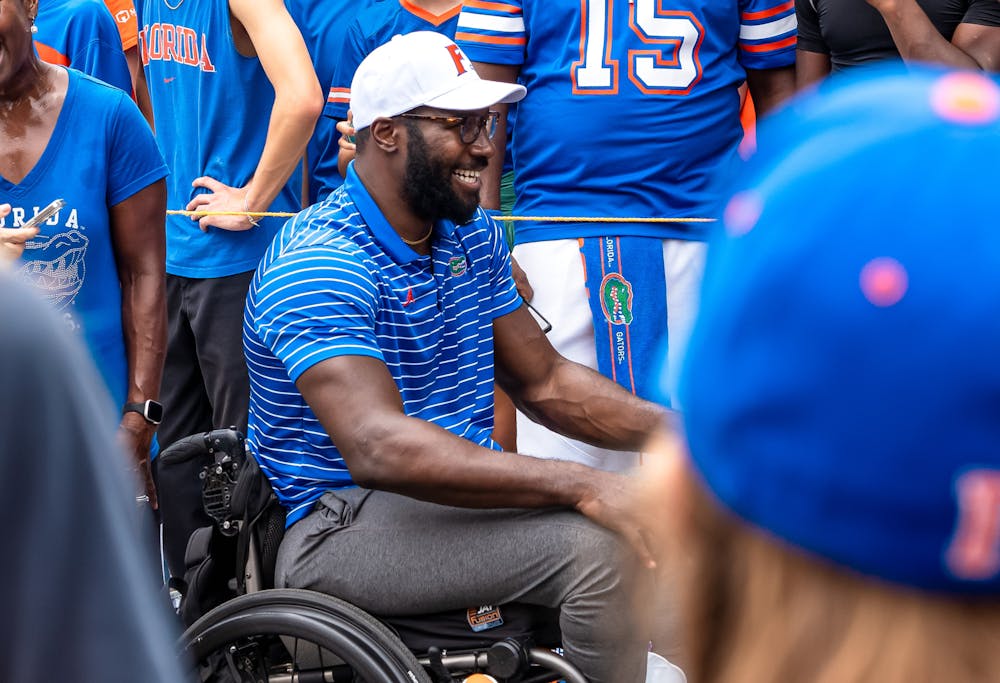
[(421, 240)]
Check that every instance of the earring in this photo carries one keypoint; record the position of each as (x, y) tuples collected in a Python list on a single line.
[(34, 29)]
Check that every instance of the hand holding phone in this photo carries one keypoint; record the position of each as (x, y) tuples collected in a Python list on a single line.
[(13, 240), (45, 214)]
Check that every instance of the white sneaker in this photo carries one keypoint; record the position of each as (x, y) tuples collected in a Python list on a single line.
[(659, 670)]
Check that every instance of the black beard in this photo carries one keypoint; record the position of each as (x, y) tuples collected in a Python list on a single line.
[(427, 187)]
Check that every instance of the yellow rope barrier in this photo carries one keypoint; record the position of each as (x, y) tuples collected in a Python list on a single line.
[(540, 219)]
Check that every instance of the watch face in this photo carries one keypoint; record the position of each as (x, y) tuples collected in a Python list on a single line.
[(154, 412)]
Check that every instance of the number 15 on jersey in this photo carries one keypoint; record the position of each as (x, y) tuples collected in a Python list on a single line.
[(670, 65)]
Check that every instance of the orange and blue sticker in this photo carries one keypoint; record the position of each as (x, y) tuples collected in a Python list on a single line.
[(484, 618)]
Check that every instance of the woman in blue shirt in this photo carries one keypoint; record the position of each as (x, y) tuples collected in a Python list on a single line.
[(100, 259)]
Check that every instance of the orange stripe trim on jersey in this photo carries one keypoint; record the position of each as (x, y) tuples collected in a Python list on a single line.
[(495, 6), (767, 47), (51, 55), (436, 19), (764, 14), (339, 95), (611, 332), (491, 40), (628, 337)]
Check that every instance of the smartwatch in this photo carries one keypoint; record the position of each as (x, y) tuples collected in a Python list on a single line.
[(151, 411)]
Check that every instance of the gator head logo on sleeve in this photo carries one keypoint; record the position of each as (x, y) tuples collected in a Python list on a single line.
[(616, 299)]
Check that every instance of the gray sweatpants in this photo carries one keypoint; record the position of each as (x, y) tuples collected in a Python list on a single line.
[(392, 555)]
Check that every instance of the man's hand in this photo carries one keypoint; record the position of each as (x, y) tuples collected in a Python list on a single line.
[(221, 197), (12, 240), (520, 279), (611, 503), (346, 130), (348, 149), (135, 435)]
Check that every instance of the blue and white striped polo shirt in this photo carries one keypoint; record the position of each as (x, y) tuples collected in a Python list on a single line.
[(338, 280)]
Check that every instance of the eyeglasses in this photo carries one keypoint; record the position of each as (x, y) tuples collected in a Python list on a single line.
[(471, 125)]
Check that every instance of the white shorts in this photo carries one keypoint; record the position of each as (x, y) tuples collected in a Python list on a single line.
[(555, 271)]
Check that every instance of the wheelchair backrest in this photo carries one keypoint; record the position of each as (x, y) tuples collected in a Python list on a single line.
[(262, 533), (238, 553)]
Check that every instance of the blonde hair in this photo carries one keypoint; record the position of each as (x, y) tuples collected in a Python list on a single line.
[(753, 610)]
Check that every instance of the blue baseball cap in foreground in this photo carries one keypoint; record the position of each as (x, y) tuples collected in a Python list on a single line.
[(842, 385)]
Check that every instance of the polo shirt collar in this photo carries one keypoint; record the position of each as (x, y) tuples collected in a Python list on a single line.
[(384, 233)]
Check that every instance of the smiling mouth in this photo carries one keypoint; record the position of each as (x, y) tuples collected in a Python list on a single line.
[(466, 176)]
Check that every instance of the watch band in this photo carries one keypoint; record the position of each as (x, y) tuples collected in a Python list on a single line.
[(151, 411)]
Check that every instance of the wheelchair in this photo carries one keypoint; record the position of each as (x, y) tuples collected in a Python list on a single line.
[(241, 629)]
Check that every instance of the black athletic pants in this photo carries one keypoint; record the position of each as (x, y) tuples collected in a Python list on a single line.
[(204, 387)]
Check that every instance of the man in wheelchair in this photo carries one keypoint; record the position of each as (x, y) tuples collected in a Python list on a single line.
[(374, 326)]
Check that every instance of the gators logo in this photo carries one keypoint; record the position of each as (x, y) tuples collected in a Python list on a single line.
[(616, 299), (57, 266), (457, 265)]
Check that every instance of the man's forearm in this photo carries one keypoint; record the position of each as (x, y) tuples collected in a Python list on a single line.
[(583, 404), (416, 458), (298, 98), (291, 125), (916, 37)]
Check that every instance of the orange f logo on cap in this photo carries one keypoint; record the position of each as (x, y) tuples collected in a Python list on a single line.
[(458, 57)]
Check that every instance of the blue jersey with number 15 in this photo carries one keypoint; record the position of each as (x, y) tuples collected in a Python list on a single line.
[(632, 107)]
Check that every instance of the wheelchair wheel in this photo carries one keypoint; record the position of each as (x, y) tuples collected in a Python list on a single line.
[(296, 635)]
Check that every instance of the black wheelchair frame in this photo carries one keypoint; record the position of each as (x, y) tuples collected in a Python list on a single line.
[(254, 632)]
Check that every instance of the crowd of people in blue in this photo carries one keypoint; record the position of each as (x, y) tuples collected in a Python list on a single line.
[(760, 437)]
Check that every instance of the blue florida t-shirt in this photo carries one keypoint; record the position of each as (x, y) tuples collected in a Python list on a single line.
[(101, 153), (213, 109), (339, 281), (632, 107)]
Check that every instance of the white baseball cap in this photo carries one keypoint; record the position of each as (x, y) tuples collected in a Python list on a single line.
[(422, 69)]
